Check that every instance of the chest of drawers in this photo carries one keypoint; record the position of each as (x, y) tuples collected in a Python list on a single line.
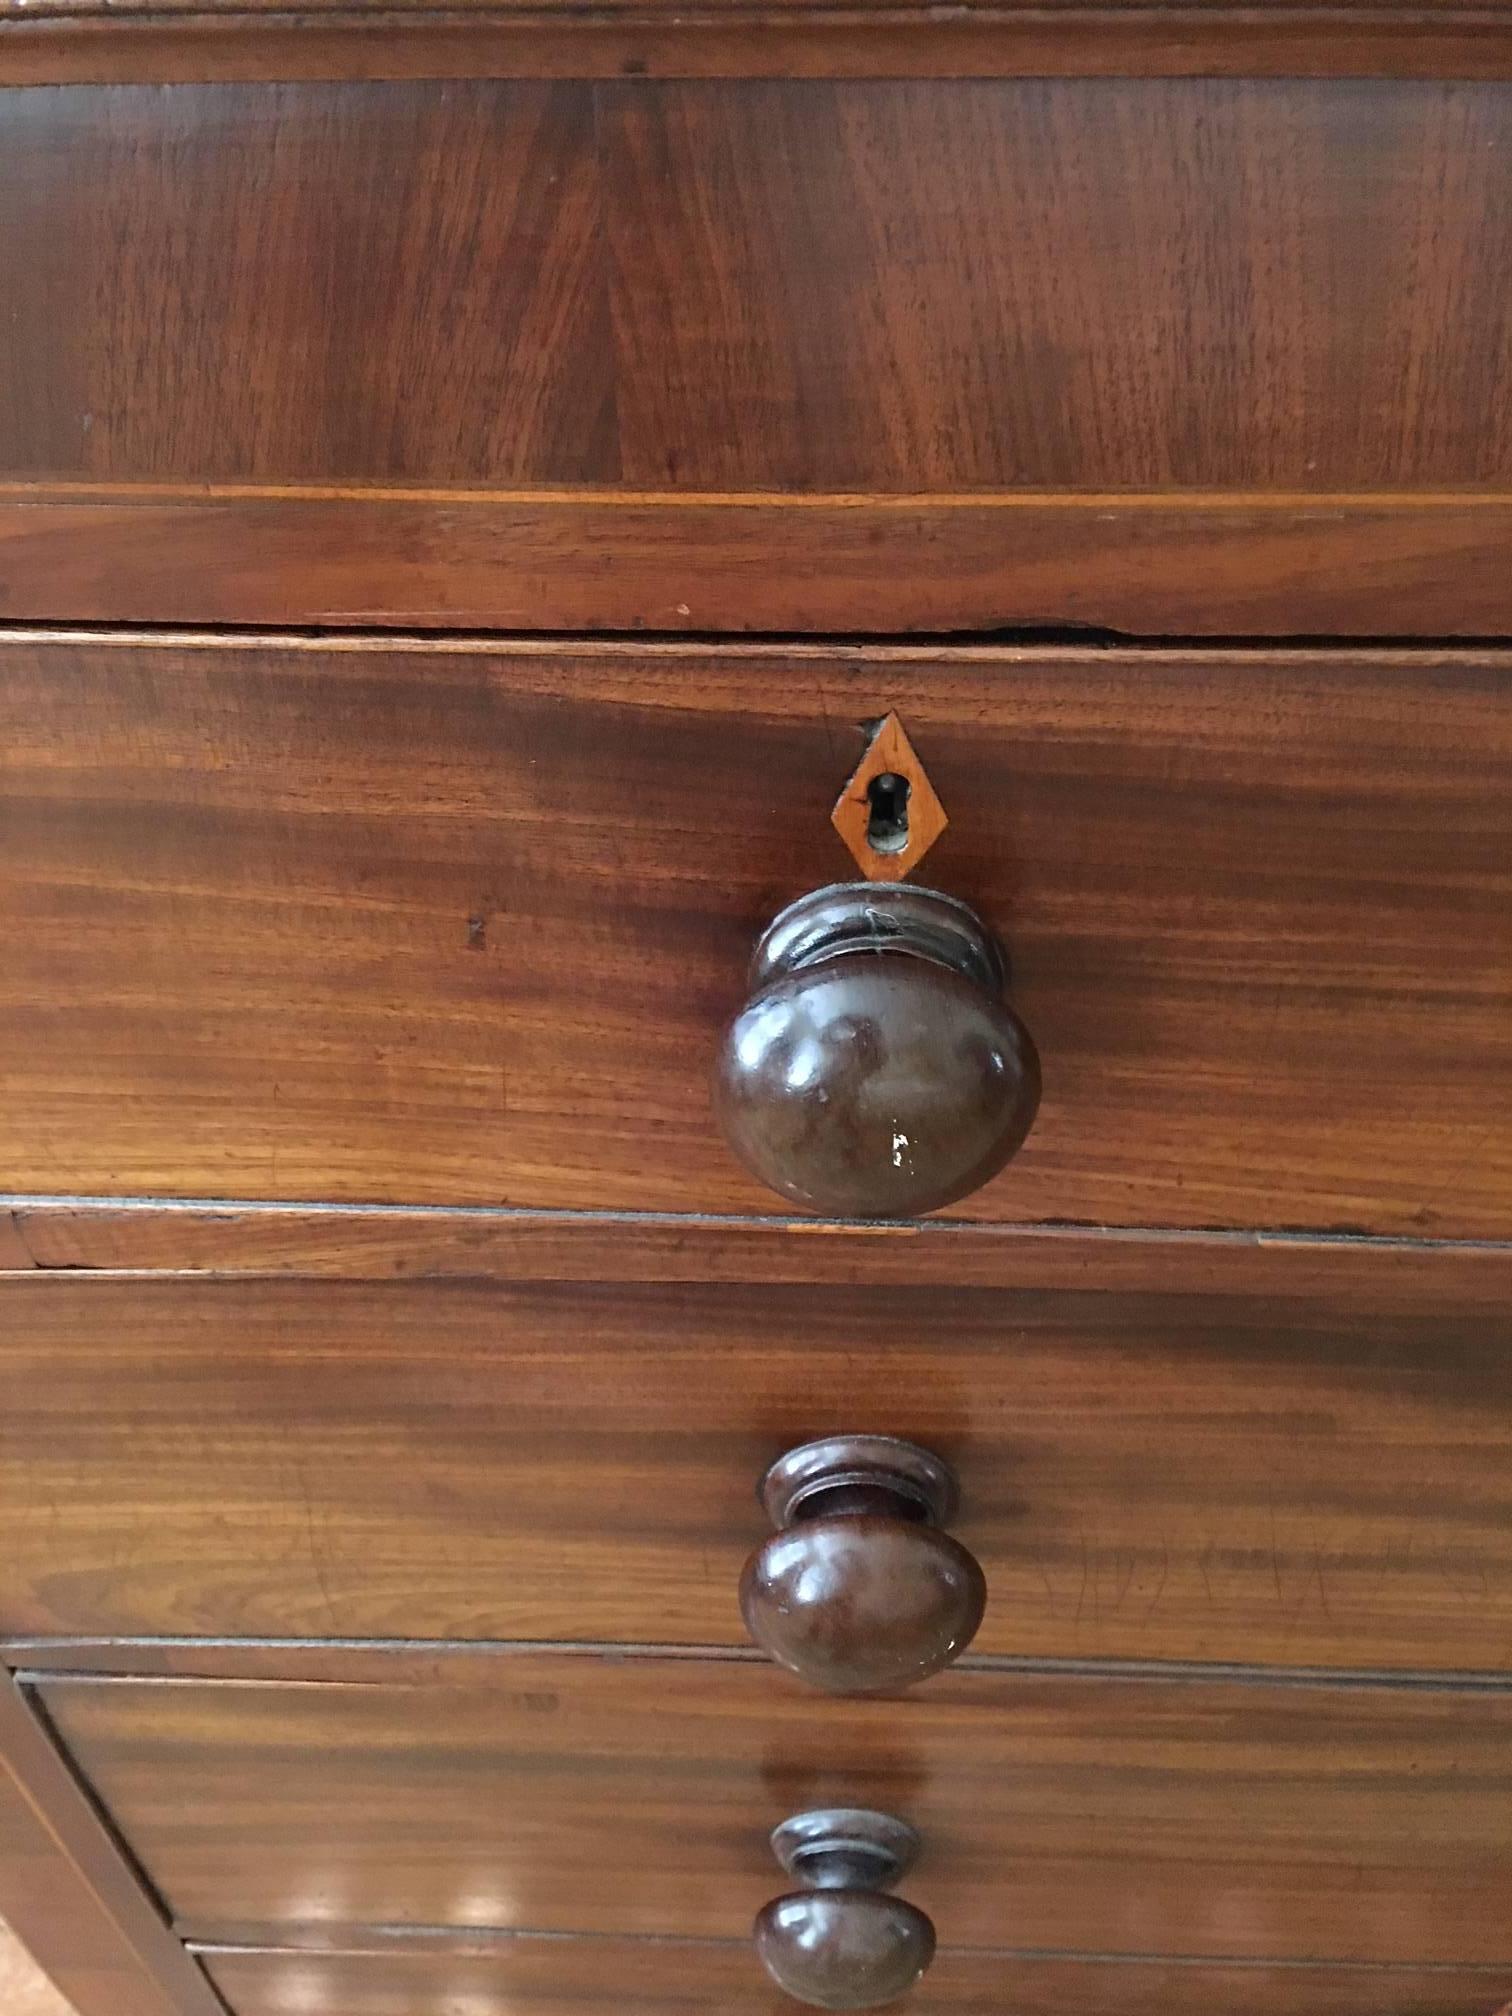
[(755, 938)]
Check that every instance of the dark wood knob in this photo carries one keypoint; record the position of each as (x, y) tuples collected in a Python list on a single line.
[(875, 1071), (859, 1589), (841, 1942)]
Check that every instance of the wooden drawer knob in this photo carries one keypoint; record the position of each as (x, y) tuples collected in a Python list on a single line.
[(875, 1071), (841, 1942), (858, 1589)]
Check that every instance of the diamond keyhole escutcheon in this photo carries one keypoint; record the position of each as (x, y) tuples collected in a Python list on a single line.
[(889, 814)]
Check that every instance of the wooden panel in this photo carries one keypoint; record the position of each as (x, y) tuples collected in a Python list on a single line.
[(879, 285), (1188, 563), (85, 44), (1129, 307), (369, 282), (460, 924), (582, 1795), (72, 1897), (1175, 1452), (1036, 283), (528, 1977)]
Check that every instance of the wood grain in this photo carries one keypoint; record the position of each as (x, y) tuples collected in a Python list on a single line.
[(891, 286), (81, 42), (528, 1977), (1190, 563), (1089, 284), (472, 308), (1205, 1819), (68, 1893), (461, 924), (1180, 1452)]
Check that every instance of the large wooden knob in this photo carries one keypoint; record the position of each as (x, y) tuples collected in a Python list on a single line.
[(859, 1589), (841, 1942), (875, 1071)]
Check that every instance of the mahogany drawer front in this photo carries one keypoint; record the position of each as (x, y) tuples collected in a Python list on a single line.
[(289, 919), (526, 1977), (1278, 1454), (635, 1795), (1146, 300), (900, 285)]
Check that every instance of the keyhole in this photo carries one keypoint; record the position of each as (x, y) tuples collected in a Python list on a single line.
[(887, 825)]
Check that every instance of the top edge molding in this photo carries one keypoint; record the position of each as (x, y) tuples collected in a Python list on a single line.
[(186, 41), (878, 16)]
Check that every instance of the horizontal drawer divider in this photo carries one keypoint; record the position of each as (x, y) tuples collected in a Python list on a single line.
[(1161, 563), (370, 1662), (392, 1941), (131, 1236)]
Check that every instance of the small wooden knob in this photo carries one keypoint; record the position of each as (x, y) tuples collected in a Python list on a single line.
[(875, 1070), (859, 1589), (842, 1943)]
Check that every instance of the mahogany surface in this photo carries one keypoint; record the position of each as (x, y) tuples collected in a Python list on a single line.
[(1196, 563), (390, 1345), (1191, 1450), (461, 924), (890, 289), (881, 286), (584, 1794)]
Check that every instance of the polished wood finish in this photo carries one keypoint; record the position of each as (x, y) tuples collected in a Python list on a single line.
[(874, 1069), (471, 309), (1173, 320), (579, 1794), (859, 1589), (882, 287), (68, 1893), (527, 1977), (461, 923), (1190, 563), (887, 289), (1191, 1449)]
